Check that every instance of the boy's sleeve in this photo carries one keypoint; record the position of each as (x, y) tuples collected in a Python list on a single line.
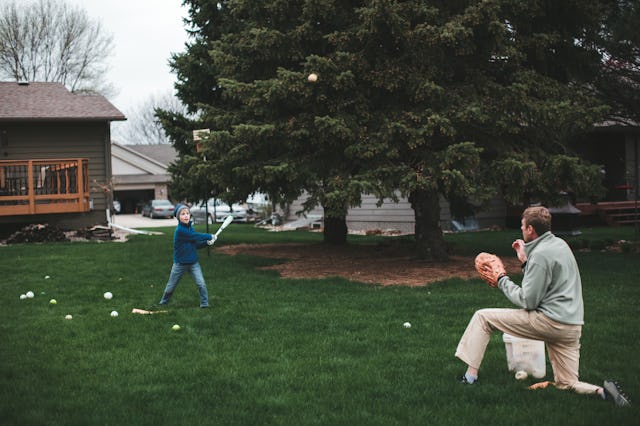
[(190, 235), (201, 239)]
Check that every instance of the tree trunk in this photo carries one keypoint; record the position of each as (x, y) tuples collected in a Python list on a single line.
[(335, 230), (430, 243)]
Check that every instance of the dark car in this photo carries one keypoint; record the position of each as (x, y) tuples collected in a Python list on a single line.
[(158, 208)]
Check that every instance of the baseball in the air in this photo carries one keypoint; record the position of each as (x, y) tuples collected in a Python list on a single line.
[(313, 77), (30, 294), (114, 313), (108, 295), (407, 325), (521, 375), (53, 301), (68, 317)]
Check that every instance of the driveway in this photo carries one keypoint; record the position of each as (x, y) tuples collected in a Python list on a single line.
[(135, 221)]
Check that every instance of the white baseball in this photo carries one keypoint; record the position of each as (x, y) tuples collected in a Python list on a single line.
[(313, 77), (30, 294), (407, 325), (521, 375), (23, 296), (68, 317), (108, 295), (114, 313)]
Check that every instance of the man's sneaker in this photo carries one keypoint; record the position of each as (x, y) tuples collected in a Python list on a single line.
[(613, 391), (464, 380)]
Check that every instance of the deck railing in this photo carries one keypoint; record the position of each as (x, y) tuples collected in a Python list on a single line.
[(29, 187)]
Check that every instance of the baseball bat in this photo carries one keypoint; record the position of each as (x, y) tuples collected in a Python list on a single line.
[(226, 223)]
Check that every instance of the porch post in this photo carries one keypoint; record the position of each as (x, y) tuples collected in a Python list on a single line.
[(30, 189)]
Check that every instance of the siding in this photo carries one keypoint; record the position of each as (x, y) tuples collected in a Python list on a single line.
[(400, 216), (52, 140)]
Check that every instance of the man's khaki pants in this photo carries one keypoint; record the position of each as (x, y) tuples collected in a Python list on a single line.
[(562, 342)]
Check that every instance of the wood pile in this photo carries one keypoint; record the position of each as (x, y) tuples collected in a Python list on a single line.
[(37, 233), (45, 233), (96, 233)]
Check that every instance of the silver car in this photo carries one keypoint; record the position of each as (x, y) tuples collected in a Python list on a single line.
[(218, 208), (158, 208)]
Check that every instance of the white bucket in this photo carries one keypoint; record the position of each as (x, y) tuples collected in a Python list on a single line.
[(526, 355)]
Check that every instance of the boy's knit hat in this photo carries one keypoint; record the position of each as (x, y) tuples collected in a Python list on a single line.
[(176, 210)]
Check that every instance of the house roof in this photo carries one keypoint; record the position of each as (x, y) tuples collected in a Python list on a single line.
[(164, 154), (52, 102), (127, 161)]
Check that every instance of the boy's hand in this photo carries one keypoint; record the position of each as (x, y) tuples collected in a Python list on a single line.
[(212, 241)]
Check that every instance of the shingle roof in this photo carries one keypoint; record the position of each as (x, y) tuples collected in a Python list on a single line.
[(52, 101), (164, 154)]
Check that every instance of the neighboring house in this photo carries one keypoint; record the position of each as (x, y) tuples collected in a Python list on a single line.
[(140, 174), (400, 217), (55, 155), (615, 147)]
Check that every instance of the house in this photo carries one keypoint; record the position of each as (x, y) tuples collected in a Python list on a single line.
[(55, 155), (399, 216), (614, 146), (140, 174)]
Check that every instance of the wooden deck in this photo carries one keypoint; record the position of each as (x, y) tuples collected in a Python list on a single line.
[(613, 212), (30, 187)]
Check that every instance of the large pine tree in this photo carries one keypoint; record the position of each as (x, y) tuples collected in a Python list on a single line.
[(455, 99)]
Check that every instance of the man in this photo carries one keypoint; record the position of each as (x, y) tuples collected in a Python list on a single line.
[(552, 309)]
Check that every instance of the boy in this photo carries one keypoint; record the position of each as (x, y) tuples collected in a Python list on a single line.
[(185, 257)]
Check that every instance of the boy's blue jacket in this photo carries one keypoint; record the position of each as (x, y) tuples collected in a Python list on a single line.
[(186, 241)]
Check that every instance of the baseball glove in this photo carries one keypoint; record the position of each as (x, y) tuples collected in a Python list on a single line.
[(490, 268)]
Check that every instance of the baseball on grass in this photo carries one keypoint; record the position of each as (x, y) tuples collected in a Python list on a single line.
[(68, 317), (114, 313), (313, 77), (30, 294), (521, 375), (175, 327), (407, 325), (23, 296), (53, 301), (108, 295)]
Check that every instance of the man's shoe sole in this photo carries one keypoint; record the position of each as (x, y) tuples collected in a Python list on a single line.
[(614, 392)]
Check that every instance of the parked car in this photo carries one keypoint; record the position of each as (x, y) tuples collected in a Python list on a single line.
[(221, 209), (158, 208)]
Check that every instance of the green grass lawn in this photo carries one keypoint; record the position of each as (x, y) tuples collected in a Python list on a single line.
[(284, 352)]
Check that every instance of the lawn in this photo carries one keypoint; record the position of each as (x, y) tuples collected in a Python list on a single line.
[(284, 352)]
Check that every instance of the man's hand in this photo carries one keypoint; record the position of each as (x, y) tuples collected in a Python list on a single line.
[(212, 241), (490, 268), (518, 246)]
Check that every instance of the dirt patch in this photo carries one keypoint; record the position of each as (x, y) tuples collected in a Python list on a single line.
[(375, 265)]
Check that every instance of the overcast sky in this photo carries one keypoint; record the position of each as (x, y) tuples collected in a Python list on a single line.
[(145, 33)]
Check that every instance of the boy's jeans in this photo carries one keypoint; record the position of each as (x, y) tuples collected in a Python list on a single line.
[(177, 271)]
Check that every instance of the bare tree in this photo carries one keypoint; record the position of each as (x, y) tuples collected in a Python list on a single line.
[(48, 40), (142, 126)]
